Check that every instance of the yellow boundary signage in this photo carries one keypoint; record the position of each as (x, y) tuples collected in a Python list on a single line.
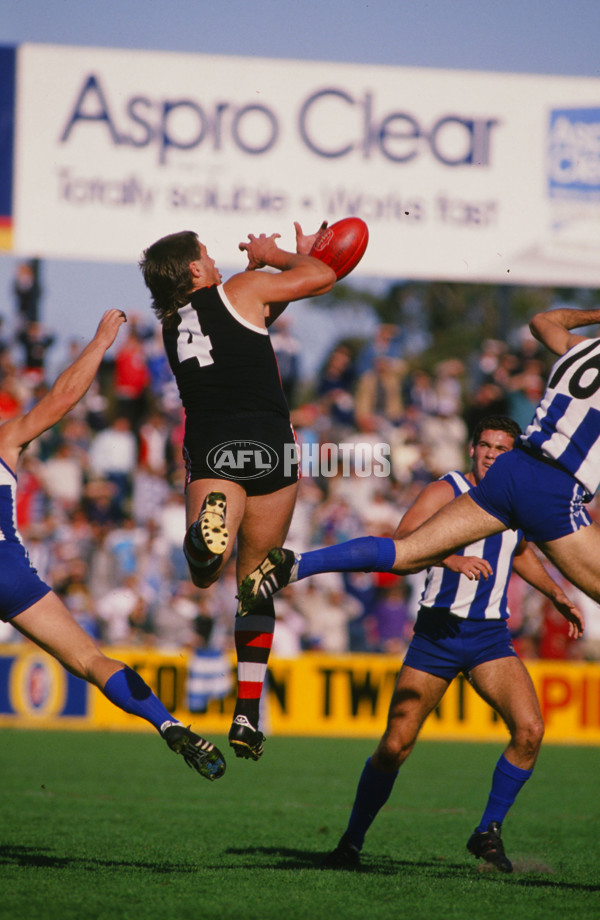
[(315, 694)]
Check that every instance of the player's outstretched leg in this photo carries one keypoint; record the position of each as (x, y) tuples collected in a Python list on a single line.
[(51, 626), (488, 845), (127, 690), (198, 753), (278, 569), (282, 567)]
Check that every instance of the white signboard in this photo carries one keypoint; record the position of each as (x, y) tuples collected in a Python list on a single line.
[(459, 175)]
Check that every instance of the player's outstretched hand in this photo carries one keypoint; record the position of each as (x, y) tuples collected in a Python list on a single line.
[(108, 327), (258, 249), (571, 613), (305, 242)]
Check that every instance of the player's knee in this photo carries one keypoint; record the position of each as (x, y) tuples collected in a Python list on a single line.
[(528, 736), (392, 751)]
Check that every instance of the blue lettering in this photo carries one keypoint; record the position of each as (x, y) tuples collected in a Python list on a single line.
[(220, 110), (397, 136), (332, 124), (243, 199), (176, 124), (134, 110), (167, 140), (272, 129), (91, 91), (476, 137), (305, 111), (403, 128)]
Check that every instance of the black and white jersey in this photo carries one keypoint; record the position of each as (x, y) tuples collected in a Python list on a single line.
[(223, 364)]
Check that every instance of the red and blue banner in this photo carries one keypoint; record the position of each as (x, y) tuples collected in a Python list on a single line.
[(8, 59)]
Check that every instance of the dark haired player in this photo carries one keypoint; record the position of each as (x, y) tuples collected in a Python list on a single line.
[(461, 627), (36, 611), (217, 342), (541, 487)]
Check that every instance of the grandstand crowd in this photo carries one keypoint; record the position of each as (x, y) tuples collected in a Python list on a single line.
[(101, 496)]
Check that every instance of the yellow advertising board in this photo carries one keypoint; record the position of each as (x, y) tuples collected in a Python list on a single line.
[(314, 694)]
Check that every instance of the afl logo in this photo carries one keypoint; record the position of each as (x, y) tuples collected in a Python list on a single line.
[(242, 460), (324, 240)]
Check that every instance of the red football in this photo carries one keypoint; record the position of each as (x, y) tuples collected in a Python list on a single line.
[(342, 245)]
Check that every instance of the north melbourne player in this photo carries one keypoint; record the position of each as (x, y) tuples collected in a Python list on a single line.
[(541, 487), (462, 628), (36, 611)]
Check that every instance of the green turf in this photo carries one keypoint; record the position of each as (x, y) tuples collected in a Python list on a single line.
[(100, 825)]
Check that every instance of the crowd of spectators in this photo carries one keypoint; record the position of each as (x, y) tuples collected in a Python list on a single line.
[(101, 504)]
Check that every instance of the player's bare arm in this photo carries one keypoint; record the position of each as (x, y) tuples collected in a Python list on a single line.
[(304, 244), (529, 567), (66, 392), (553, 328), (297, 276), (431, 499)]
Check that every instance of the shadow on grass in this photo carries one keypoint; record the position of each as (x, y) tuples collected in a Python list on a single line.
[(285, 859), (36, 858), (282, 858)]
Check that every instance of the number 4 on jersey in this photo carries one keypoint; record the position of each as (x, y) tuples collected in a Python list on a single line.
[(191, 341)]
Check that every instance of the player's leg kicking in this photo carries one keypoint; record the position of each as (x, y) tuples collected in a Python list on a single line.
[(49, 624)]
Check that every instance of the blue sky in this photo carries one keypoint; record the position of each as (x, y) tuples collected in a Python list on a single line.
[(520, 36), (526, 36)]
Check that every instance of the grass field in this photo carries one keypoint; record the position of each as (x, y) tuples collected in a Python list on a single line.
[(115, 827)]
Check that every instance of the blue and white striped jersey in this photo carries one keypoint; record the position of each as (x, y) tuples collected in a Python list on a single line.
[(20, 585), (8, 505), (459, 595), (566, 424)]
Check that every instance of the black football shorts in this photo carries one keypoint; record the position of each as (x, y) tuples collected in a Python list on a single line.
[(258, 452)]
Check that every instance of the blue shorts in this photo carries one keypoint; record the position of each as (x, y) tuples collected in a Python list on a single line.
[(20, 584), (524, 491), (446, 645)]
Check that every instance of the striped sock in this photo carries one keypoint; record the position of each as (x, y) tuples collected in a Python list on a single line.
[(253, 640)]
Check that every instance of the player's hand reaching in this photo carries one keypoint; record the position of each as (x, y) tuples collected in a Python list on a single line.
[(259, 250), (305, 242), (108, 327), (471, 566)]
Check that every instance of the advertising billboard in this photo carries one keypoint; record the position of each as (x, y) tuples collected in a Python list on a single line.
[(460, 175), (315, 694)]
